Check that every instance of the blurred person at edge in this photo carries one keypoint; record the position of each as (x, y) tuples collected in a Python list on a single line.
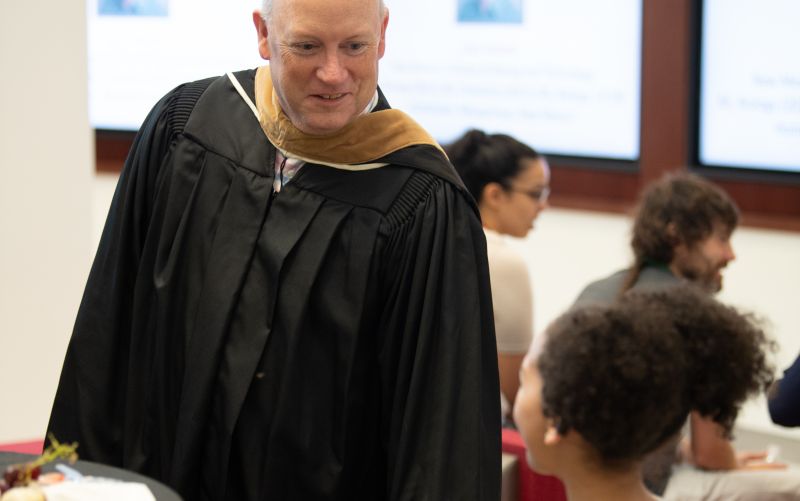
[(784, 397)]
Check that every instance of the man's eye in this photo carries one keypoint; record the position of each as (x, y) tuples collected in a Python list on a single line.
[(356, 46), (305, 47)]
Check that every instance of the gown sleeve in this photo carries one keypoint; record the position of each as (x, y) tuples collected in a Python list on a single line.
[(441, 413), (89, 405)]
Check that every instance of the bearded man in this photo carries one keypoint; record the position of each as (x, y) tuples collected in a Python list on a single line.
[(682, 234)]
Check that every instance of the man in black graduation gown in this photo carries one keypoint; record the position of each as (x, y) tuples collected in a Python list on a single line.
[(320, 333)]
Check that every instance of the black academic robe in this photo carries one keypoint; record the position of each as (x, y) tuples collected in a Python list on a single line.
[(332, 341)]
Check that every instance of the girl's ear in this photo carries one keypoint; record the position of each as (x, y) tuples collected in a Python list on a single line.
[(551, 435)]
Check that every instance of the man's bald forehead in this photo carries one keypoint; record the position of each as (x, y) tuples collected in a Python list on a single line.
[(267, 6)]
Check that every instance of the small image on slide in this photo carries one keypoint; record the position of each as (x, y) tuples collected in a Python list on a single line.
[(133, 7), (490, 11)]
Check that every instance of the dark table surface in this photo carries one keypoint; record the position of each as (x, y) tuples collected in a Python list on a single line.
[(160, 491)]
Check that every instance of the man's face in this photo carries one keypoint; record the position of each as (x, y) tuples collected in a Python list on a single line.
[(703, 262), (323, 59)]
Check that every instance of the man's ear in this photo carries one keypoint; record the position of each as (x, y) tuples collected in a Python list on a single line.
[(382, 42), (262, 31)]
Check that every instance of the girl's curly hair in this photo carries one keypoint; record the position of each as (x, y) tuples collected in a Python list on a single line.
[(626, 376)]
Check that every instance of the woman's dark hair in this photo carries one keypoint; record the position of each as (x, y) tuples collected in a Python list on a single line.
[(626, 376), (678, 208), (481, 158)]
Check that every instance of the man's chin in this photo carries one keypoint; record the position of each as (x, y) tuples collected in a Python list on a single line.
[(324, 126), (714, 285)]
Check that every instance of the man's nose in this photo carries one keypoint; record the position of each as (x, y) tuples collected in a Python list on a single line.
[(730, 255), (332, 70)]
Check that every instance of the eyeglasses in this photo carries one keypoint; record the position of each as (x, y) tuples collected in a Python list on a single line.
[(539, 196)]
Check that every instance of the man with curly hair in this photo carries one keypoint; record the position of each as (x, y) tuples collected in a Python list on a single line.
[(681, 234)]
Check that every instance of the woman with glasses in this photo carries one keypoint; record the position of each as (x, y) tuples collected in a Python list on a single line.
[(510, 182)]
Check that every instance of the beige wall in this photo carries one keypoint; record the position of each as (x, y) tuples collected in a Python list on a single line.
[(46, 166)]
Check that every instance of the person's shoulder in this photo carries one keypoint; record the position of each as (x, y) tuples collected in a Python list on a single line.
[(602, 291), (503, 257), (406, 196), (211, 99), (176, 106), (218, 118), (427, 191), (166, 121), (430, 159), (221, 88), (392, 190), (612, 281), (654, 277), (375, 189), (431, 173)]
